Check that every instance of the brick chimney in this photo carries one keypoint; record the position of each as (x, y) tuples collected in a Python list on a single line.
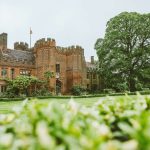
[(3, 41), (92, 59)]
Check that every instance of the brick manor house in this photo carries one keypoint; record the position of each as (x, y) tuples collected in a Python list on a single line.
[(68, 64)]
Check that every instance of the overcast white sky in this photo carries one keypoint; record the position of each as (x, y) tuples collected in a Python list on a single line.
[(70, 22)]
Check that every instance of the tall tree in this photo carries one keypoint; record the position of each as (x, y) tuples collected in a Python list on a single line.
[(124, 53)]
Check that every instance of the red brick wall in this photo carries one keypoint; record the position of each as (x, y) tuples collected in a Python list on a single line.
[(71, 60), (47, 55)]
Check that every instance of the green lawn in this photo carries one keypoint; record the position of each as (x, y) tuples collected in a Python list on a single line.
[(6, 107)]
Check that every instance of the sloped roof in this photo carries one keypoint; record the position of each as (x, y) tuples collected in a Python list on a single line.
[(90, 65), (17, 55)]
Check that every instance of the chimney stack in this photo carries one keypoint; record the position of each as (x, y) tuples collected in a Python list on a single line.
[(3, 41), (92, 59)]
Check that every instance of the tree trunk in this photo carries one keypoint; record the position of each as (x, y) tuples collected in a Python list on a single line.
[(132, 84)]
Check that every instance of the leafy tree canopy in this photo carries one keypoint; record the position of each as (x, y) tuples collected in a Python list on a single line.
[(21, 84), (124, 53)]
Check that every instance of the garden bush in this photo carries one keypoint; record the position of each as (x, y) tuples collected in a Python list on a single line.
[(78, 90), (111, 124), (41, 92), (108, 91)]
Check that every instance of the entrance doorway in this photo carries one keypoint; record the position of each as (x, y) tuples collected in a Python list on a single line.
[(58, 87)]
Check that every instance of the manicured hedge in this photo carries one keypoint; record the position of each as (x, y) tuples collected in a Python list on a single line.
[(82, 96), (11, 99), (96, 95)]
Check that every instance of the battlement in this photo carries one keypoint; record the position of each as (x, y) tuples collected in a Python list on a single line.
[(70, 49), (21, 46), (45, 43)]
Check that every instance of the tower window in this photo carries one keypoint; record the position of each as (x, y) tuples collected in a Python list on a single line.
[(58, 68), (88, 76), (4, 72), (94, 76), (25, 72), (12, 73)]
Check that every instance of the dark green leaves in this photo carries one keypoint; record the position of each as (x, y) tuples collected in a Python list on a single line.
[(125, 50)]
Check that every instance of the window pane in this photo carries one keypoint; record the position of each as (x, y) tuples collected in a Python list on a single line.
[(57, 67)]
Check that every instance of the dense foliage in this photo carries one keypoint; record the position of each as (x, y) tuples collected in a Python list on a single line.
[(124, 53), (22, 85), (111, 124), (78, 90)]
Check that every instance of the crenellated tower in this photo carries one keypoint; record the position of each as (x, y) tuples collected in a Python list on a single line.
[(67, 63), (21, 46), (43, 50)]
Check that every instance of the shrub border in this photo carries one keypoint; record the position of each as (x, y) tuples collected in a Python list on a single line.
[(68, 97)]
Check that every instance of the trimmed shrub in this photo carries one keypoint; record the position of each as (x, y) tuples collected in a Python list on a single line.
[(41, 92), (77, 90), (108, 91)]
